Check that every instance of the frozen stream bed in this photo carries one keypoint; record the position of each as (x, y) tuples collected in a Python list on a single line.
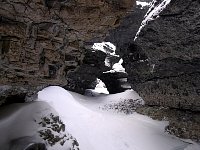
[(65, 120)]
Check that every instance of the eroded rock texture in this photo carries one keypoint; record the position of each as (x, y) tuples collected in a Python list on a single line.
[(124, 34), (41, 41), (164, 63), (92, 67), (115, 82)]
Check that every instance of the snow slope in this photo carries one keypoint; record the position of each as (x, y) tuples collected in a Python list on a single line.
[(96, 130), (17, 124), (86, 125)]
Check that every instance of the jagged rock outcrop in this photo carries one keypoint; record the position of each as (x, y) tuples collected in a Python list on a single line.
[(163, 63), (42, 41), (115, 82), (171, 75), (18, 94), (91, 68)]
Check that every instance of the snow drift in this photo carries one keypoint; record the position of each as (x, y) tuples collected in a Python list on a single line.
[(76, 122)]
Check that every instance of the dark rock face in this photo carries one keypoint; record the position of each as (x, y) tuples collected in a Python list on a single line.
[(42, 41), (18, 94), (163, 64), (115, 82), (91, 68), (122, 36), (27, 143), (125, 33), (37, 146)]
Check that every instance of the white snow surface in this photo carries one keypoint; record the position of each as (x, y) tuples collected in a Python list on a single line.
[(96, 129), (105, 47), (99, 89), (143, 4), (117, 67), (92, 127)]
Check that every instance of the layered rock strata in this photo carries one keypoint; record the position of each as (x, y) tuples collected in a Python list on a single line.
[(42, 41)]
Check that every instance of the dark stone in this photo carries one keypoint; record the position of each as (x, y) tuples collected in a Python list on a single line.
[(52, 71), (27, 143), (163, 63), (5, 44), (91, 68), (115, 82), (18, 94), (44, 48), (125, 33), (36, 146)]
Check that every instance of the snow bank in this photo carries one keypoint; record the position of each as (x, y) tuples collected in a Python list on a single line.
[(86, 125), (95, 130)]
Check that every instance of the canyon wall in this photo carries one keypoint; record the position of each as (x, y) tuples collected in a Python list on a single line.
[(43, 41), (163, 64)]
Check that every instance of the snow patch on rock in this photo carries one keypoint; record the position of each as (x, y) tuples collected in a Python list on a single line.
[(105, 47), (99, 89), (156, 7), (142, 4), (117, 67)]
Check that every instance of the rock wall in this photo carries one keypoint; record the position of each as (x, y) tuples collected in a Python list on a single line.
[(42, 41), (125, 33), (92, 67), (163, 63), (115, 82)]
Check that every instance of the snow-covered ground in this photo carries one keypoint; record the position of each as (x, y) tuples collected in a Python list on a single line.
[(87, 123)]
